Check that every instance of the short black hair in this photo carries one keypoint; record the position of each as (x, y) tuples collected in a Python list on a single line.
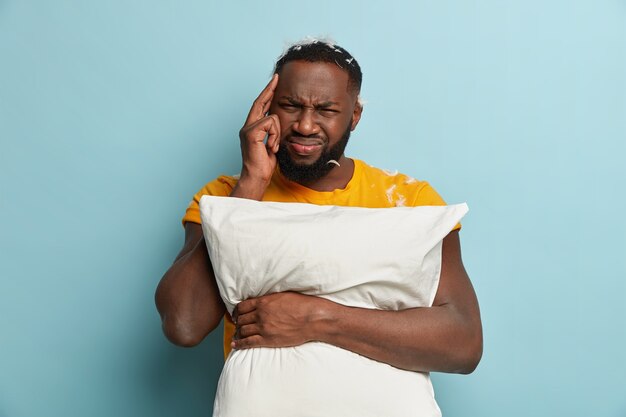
[(314, 50)]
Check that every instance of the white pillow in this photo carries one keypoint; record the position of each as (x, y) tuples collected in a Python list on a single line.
[(386, 258)]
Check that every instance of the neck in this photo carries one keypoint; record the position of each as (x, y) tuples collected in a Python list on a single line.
[(336, 179)]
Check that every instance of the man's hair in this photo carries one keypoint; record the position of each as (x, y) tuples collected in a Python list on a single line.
[(317, 50)]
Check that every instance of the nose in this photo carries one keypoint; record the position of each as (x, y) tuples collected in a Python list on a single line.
[(306, 123)]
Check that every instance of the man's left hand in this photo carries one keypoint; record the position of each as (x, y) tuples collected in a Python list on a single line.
[(278, 320)]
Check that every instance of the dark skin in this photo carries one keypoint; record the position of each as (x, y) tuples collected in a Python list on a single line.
[(307, 109)]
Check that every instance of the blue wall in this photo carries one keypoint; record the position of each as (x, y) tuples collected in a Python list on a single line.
[(113, 113)]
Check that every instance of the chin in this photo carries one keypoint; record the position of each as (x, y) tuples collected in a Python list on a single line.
[(304, 168), (304, 161)]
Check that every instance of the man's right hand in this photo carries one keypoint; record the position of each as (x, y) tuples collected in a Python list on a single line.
[(258, 155)]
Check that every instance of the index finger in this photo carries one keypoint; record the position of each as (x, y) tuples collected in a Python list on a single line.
[(244, 307), (262, 103)]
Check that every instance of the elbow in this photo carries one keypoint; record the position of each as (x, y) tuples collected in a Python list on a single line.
[(175, 328), (183, 325), (471, 363), (181, 334), (470, 355), (185, 329)]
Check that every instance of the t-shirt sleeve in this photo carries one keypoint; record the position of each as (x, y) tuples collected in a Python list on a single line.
[(427, 196), (221, 186)]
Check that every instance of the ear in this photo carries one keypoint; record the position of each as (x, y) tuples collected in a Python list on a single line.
[(356, 114)]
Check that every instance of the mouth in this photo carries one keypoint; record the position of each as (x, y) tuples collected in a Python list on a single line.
[(304, 146)]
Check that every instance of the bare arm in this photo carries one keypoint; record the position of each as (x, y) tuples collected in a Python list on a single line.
[(187, 296), (446, 337)]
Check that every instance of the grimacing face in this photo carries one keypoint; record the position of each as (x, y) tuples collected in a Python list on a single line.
[(317, 112)]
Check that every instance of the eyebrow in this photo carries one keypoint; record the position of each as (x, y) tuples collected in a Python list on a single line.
[(323, 104)]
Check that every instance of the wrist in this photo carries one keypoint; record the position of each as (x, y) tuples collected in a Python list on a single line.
[(323, 321), (249, 186)]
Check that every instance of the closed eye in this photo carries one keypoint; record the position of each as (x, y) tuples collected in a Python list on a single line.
[(289, 106), (328, 112)]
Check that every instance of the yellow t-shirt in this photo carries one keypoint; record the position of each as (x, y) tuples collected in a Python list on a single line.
[(369, 187)]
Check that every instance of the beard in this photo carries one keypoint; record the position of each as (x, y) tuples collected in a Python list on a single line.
[(307, 173)]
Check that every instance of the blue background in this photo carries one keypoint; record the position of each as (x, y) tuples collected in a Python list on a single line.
[(114, 113)]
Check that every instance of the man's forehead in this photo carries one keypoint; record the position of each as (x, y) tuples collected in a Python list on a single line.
[(319, 78), (319, 101)]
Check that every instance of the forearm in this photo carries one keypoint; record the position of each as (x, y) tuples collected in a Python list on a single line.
[(419, 339), (250, 187), (188, 298), (445, 338)]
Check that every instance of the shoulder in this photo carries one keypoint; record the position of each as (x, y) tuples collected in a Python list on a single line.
[(397, 188), (220, 186)]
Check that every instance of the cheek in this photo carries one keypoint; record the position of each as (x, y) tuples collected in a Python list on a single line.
[(286, 120), (285, 124), (337, 127)]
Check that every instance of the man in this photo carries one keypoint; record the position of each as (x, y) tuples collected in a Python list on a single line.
[(292, 144)]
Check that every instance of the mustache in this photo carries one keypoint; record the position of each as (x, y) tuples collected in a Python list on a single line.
[(299, 136)]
